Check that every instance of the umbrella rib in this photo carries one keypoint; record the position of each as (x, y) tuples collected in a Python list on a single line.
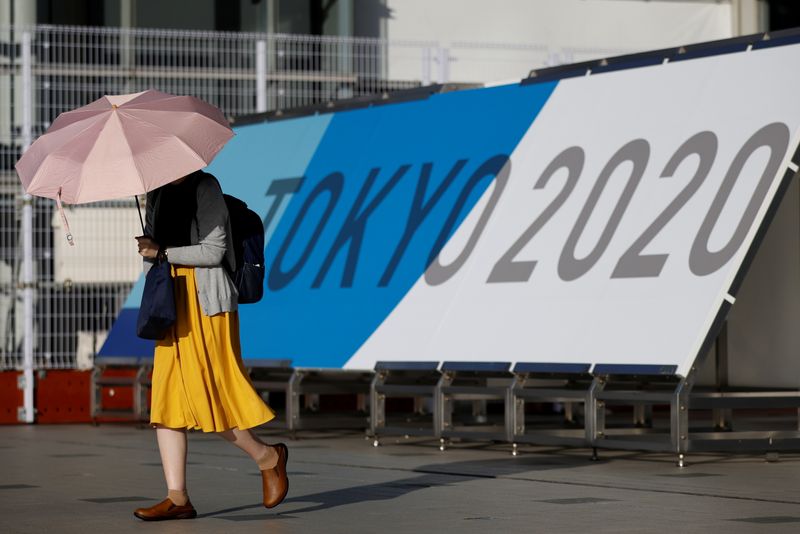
[(199, 116), (36, 175), (171, 134), (209, 119), (138, 171), (135, 107), (133, 158), (132, 104)]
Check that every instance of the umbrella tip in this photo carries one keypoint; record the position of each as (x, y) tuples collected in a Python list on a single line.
[(114, 106)]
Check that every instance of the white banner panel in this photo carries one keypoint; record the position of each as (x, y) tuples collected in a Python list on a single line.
[(624, 217)]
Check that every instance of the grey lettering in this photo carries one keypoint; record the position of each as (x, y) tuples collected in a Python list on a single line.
[(637, 152)]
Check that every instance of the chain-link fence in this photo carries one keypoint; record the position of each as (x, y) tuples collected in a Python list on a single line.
[(76, 292), (57, 303)]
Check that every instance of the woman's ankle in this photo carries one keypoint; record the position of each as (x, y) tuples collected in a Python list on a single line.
[(268, 458), (178, 497)]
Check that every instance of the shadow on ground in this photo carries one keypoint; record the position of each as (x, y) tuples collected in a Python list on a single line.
[(426, 476)]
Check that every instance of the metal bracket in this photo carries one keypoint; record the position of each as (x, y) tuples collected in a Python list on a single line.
[(21, 414), (21, 381)]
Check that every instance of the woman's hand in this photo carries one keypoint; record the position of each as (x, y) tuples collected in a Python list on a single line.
[(147, 247)]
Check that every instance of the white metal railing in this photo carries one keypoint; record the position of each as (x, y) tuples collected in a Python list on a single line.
[(57, 305)]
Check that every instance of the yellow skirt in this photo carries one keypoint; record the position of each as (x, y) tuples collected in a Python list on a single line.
[(199, 381)]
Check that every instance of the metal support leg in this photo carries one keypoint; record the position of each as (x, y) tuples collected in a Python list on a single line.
[(642, 415), (595, 423), (293, 401), (419, 405), (679, 418), (96, 398), (722, 417), (569, 413), (139, 402), (479, 411), (514, 412), (442, 408), (377, 406), (311, 402)]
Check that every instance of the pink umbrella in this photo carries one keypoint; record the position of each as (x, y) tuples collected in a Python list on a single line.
[(122, 145)]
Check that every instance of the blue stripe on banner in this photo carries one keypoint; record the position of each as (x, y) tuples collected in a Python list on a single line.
[(330, 280), (261, 154), (122, 340), (135, 296), (248, 166)]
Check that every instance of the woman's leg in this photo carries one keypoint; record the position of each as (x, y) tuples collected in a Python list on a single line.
[(271, 462), (264, 455), (172, 446)]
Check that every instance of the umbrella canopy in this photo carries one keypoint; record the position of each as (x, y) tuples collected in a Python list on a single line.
[(122, 145)]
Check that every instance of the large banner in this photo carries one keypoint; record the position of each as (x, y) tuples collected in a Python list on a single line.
[(597, 219)]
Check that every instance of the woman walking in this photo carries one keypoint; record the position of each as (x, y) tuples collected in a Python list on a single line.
[(199, 381)]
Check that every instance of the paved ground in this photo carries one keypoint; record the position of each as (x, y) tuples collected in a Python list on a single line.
[(79, 478)]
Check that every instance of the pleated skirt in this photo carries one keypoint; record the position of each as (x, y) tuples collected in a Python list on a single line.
[(199, 381)]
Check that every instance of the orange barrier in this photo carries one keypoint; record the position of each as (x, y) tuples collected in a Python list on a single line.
[(63, 396), (11, 397)]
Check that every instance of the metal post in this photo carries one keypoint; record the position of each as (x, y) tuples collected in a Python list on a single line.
[(426, 65), (261, 76), (569, 413), (419, 405), (442, 407), (377, 415), (27, 232), (96, 399), (443, 60), (344, 47), (293, 401), (515, 411), (679, 417), (722, 417), (479, 411), (595, 412), (140, 393), (642, 415)]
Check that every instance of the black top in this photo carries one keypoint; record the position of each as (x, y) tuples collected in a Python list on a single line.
[(175, 209)]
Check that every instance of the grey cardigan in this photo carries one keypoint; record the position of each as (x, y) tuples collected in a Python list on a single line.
[(211, 244)]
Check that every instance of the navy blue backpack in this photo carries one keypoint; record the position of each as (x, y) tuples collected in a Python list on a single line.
[(248, 246)]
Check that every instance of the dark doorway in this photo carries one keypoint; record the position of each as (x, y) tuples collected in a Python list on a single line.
[(784, 14), (70, 12)]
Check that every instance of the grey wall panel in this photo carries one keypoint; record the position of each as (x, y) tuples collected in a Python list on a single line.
[(764, 324)]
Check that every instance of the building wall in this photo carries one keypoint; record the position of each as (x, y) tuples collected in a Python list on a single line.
[(177, 14), (594, 23), (763, 327), (572, 30)]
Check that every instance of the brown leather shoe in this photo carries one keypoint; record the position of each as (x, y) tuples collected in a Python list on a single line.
[(275, 481), (166, 509)]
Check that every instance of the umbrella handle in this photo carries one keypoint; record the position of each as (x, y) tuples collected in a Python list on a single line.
[(138, 207), (70, 239)]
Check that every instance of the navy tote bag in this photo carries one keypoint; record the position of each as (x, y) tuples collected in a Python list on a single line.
[(157, 311)]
